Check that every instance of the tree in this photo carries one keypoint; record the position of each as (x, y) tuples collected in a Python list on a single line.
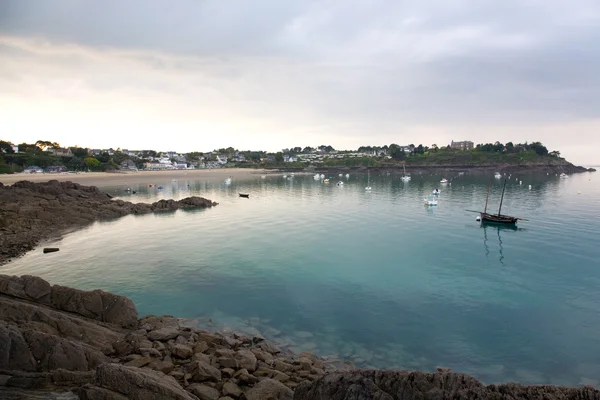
[(29, 148), (308, 149), (6, 147), (45, 145), (79, 152), (434, 148), (279, 157), (555, 154), (396, 152), (420, 149), (91, 162), (539, 148), (509, 147)]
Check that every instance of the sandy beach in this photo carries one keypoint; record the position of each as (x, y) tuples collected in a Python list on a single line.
[(142, 177)]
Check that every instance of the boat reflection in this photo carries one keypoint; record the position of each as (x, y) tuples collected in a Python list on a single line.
[(495, 230)]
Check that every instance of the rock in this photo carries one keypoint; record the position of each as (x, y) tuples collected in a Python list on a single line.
[(209, 337), (283, 366), (227, 362), (132, 383), (268, 347), (204, 392), (231, 389), (244, 376), (163, 366), (225, 398), (203, 358), (269, 389), (262, 355), (271, 373), (227, 372), (182, 351), (305, 363), (221, 352), (257, 338), (139, 362), (163, 334), (202, 372), (246, 359), (201, 347), (391, 385)]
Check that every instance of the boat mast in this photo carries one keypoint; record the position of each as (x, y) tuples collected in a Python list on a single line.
[(486, 198), (502, 198)]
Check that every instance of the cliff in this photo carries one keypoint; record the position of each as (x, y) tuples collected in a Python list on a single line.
[(32, 212), (62, 343)]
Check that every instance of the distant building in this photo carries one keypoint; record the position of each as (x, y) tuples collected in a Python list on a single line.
[(15, 148), (59, 151), (33, 169), (464, 145), (177, 165), (287, 158), (128, 165), (55, 169), (222, 159)]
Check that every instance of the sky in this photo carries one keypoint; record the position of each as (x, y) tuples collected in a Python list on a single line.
[(271, 74)]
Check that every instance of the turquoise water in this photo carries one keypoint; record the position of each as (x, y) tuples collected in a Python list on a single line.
[(375, 278)]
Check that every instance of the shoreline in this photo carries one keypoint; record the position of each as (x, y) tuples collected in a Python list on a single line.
[(125, 178)]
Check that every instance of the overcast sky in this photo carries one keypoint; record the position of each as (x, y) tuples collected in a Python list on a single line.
[(268, 74)]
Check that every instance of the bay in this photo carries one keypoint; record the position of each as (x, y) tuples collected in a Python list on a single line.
[(375, 278)]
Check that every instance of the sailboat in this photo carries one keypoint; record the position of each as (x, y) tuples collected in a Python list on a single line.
[(368, 188), (405, 177), (497, 218)]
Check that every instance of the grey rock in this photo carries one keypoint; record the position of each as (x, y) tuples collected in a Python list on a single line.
[(135, 384), (201, 347), (262, 355), (269, 389), (271, 373), (268, 347), (202, 372), (227, 372), (163, 334), (139, 362), (246, 359), (228, 362), (283, 366), (204, 392), (231, 389), (203, 358), (244, 376), (182, 351)]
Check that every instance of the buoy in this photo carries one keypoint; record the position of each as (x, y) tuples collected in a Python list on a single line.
[(50, 249), (478, 218)]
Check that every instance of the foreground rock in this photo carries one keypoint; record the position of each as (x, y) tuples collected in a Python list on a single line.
[(62, 343), (31, 212), (396, 385)]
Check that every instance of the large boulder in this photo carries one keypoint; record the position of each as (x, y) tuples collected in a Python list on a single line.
[(400, 385), (97, 304), (114, 381), (269, 389)]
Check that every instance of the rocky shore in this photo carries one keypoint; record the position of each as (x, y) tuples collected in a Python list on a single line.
[(62, 343), (33, 212)]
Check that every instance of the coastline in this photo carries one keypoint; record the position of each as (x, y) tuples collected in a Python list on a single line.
[(142, 177)]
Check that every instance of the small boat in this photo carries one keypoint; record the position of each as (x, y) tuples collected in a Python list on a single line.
[(160, 187), (461, 173), (497, 175), (486, 217), (563, 176), (340, 183), (228, 181), (436, 192), (431, 201), (340, 175), (151, 185), (325, 180), (347, 176), (285, 177), (368, 188), (246, 195), (322, 176), (317, 177), (263, 177), (128, 190), (444, 180)]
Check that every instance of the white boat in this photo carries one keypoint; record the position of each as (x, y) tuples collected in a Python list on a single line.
[(317, 177), (368, 188), (431, 201), (436, 192), (563, 176), (340, 175), (405, 177), (325, 180), (263, 177), (444, 180), (461, 173), (228, 181), (497, 175), (340, 183), (322, 176), (285, 176), (347, 176)]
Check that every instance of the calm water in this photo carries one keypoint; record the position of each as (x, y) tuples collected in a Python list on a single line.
[(376, 278)]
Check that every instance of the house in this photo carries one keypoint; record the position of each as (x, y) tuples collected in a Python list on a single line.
[(95, 152), (33, 169), (158, 166), (287, 158), (128, 165), (55, 169), (178, 165), (15, 148), (464, 145), (222, 159), (61, 152)]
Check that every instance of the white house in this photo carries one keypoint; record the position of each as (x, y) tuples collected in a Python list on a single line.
[(177, 165), (222, 159)]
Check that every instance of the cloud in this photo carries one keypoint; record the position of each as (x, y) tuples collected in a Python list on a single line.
[(272, 74)]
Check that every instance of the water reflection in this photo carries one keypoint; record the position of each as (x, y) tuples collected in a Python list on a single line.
[(494, 230)]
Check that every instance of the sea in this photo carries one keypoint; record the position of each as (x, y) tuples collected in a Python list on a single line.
[(375, 277)]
